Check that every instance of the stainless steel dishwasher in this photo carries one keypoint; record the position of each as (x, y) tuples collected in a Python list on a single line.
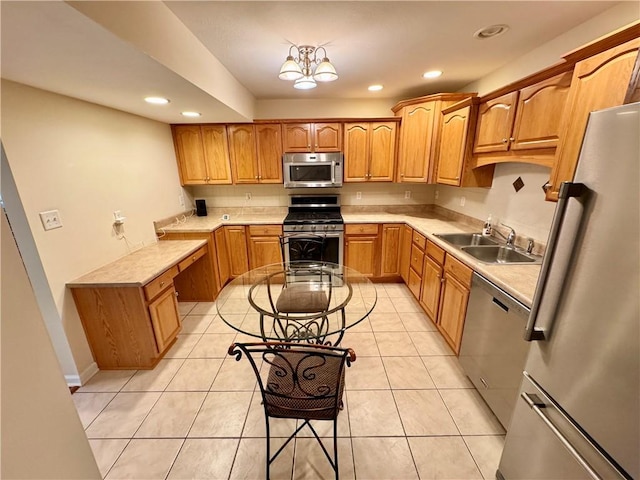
[(493, 350)]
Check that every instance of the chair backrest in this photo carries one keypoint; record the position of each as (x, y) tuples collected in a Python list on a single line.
[(302, 247), (303, 381)]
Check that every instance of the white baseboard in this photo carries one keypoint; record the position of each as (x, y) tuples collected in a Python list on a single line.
[(79, 380)]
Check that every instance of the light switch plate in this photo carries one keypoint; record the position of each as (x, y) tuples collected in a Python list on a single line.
[(50, 219)]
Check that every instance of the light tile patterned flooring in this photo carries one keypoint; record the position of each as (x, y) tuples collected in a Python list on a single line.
[(410, 412)]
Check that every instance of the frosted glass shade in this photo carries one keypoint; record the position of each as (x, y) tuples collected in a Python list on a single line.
[(325, 72), (290, 70), (305, 83)]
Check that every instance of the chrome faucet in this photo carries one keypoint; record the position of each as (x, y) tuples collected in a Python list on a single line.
[(511, 238)]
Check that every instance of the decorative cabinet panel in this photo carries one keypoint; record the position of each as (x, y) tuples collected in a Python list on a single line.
[(256, 153), (236, 240), (391, 237), (415, 142), (369, 149), (203, 154), (222, 254), (312, 137), (165, 318), (269, 152), (598, 82), (405, 252)]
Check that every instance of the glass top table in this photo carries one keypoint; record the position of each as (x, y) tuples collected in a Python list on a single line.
[(297, 302)]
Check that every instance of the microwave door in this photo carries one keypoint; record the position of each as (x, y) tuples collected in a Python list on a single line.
[(311, 174)]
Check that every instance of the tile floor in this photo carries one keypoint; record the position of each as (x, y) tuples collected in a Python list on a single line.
[(410, 413)]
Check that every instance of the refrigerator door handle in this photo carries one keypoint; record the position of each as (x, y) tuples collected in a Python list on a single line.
[(537, 405), (567, 190)]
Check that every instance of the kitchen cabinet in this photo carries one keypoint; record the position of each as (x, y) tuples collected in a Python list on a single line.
[(405, 252), (165, 318), (416, 263), (420, 134), (361, 248), (525, 119), (369, 151), (455, 161), (269, 151), (264, 245), (236, 239), (391, 237), (222, 255), (255, 152), (312, 137), (454, 300), (202, 153), (600, 81), (432, 279)]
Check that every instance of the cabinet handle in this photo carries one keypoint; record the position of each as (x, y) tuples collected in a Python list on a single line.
[(257, 177), (546, 187), (504, 140), (193, 259), (176, 293), (512, 139), (161, 284), (316, 147), (402, 174), (309, 147)]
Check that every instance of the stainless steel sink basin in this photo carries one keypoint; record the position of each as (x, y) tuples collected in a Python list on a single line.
[(466, 239), (499, 254)]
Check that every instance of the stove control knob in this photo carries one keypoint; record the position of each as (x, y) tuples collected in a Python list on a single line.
[(333, 227), (313, 227)]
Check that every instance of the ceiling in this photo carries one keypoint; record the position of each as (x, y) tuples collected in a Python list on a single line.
[(219, 57)]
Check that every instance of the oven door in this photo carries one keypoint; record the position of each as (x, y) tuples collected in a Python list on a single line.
[(312, 174), (300, 251)]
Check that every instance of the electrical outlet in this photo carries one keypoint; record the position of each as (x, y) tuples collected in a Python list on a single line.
[(358, 195), (118, 219), (407, 194), (462, 201), (247, 196), (437, 194), (51, 219)]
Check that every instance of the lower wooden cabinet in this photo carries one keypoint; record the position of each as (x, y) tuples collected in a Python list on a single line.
[(405, 252), (264, 245), (391, 238), (431, 287), (222, 254), (361, 248), (165, 318), (236, 239), (453, 304)]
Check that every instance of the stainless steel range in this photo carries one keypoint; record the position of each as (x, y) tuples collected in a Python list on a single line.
[(318, 215)]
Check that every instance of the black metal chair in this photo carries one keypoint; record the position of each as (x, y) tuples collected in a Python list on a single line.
[(304, 382)]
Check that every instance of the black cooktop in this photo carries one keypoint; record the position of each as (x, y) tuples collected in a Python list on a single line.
[(311, 217)]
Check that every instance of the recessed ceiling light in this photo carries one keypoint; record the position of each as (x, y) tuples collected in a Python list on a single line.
[(491, 31), (375, 88), (157, 100), (190, 114), (432, 74)]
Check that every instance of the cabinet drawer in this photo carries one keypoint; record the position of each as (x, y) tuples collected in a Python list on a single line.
[(435, 252), (415, 281), (158, 284), (265, 230), (458, 269), (419, 240), (191, 259), (361, 229), (417, 259)]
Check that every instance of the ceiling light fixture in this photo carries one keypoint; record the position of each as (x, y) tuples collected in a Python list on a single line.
[(301, 67), (491, 31), (375, 88), (156, 100), (190, 114), (432, 74)]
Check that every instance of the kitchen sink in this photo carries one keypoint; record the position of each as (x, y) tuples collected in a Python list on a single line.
[(466, 239), (500, 254)]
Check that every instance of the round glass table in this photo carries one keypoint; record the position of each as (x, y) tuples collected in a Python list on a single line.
[(297, 302)]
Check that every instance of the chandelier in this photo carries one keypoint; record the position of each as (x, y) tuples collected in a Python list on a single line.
[(307, 68)]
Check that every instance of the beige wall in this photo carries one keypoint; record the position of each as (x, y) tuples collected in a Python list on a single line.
[(324, 108), (86, 161), (42, 436)]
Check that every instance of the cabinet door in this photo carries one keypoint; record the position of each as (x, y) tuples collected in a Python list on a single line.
[(415, 147), (216, 154), (405, 252), (356, 152), (391, 236), (190, 154), (415, 280), (360, 254), (224, 270), (327, 137), (264, 251), (237, 248), (242, 151), (495, 122), (453, 141), (453, 309), (297, 137), (269, 151), (539, 111), (598, 82), (431, 287), (382, 151), (165, 318)]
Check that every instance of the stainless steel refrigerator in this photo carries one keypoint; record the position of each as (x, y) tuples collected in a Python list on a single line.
[(577, 416)]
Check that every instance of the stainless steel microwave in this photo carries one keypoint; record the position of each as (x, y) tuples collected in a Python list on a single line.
[(312, 169)]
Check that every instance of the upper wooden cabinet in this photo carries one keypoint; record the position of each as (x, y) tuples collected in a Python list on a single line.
[(370, 151), (312, 137), (598, 82), (456, 140), (523, 120), (419, 135), (255, 152), (202, 153)]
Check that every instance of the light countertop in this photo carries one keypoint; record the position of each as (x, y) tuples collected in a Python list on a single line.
[(139, 267), (518, 280)]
